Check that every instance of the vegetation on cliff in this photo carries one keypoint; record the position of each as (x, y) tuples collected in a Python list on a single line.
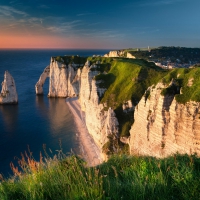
[(121, 177), (187, 81), (129, 79), (126, 79), (71, 59)]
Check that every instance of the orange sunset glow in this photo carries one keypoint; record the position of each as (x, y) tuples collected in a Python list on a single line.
[(45, 42)]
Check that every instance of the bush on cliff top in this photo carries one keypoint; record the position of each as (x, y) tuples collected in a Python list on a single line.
[(121, 177)]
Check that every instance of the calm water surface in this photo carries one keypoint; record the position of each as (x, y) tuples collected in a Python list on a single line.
[(37, 120)]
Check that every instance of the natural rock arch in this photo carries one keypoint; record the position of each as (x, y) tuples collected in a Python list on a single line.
[(41, 81)]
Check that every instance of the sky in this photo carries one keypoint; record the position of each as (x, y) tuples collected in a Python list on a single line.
[(99, 24)]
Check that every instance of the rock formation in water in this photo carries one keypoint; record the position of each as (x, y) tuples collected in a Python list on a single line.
[(40, 83), (8, 92), (58, 81), (163, 126), (63, 79), (68, 81)]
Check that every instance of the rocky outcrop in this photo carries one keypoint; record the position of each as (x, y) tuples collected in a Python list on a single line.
[(163, 126), (68, 81), (58, 79), (64, 80), (129, 55), (40, 83), (8, 92), (127, 106), (100, 123), (118, 53)]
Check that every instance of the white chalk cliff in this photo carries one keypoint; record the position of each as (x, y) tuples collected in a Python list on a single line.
[(68, 81), (8, 92), (129, 55), (163, 126), (119, 53), (100, 123), (63, 79)]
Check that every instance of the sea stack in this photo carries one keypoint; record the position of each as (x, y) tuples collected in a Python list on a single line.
[(8, 92)]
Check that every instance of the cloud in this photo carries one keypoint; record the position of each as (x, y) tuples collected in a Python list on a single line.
[(43, 6), (148, 31), (103, 33), (10, 11), (84, 14), (34, 20), (160, 3), (65, 27), (15, 2)]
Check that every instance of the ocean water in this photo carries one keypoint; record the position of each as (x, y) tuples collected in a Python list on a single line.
[(37, 122)]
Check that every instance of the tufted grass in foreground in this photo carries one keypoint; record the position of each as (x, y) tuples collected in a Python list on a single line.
[(122, 177)]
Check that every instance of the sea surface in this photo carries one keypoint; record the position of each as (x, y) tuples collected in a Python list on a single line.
[(37, 123)]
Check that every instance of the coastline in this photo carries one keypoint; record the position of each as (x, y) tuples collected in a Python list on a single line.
[(89, 150)]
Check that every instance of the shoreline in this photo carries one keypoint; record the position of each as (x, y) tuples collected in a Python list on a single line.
[(89, 150)]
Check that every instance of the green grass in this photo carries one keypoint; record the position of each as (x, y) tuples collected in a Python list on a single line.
[(121, 177), (126, 79), (182, 77), (71, 59)]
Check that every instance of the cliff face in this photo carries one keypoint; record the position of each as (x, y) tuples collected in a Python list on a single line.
[(68, 81), (100, 123), (58, 79), (119, 53), (63, 80), (163, 126), (8, 92), (129, 55)]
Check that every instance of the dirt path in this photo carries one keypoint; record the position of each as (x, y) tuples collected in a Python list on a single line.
[(90, 150)]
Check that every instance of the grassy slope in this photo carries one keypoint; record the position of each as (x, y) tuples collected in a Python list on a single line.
[(132, 78), (126, 79), (122, 177), (129, 78)]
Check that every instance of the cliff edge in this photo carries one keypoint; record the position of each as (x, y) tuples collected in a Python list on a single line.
[(163, 126)]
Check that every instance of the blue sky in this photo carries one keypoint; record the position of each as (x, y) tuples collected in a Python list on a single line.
[(110, 24)]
